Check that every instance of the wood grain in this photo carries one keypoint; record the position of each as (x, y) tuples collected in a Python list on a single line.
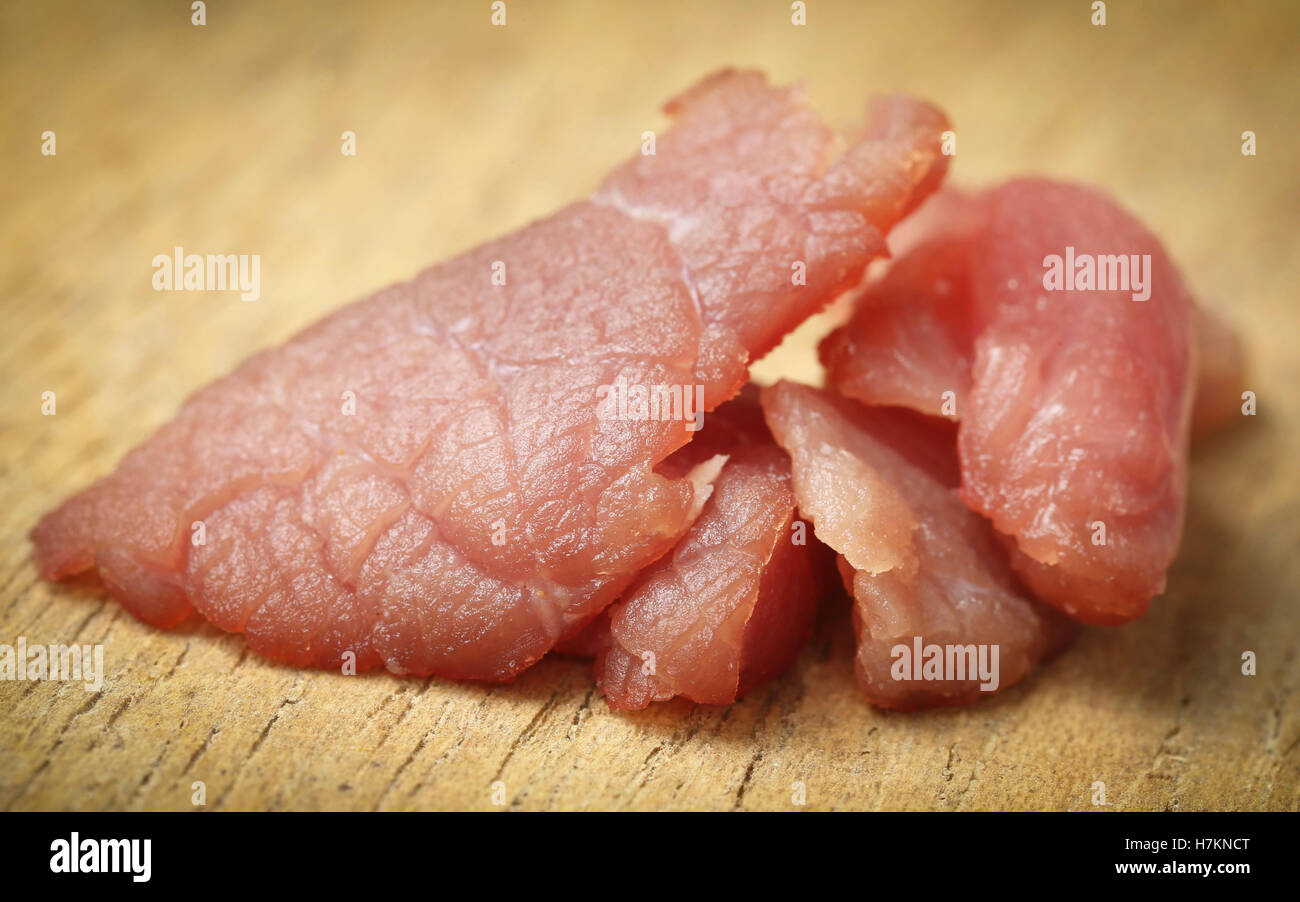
[(225, 138)]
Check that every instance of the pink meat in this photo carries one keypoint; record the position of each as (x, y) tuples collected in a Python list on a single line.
[(880, 486), (912, 334), (1074, 405), (910, 341), (425, 480), (734, 602)]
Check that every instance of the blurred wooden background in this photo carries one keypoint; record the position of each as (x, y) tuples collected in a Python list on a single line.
[(226, 138)]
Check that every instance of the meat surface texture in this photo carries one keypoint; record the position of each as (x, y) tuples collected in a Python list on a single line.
[(910, 341), (880, 485), (424, 480), (734, 602), (912, 334), (1074, 404)]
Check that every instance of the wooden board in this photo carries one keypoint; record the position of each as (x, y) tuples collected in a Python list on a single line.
[(226, 138)]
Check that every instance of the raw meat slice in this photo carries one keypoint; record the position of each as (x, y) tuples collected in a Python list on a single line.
[(735, 601), (880, 485), (1074, 405), (911, 337), (427, 479), (910, 341)]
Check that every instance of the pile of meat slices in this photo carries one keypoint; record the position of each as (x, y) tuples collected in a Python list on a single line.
[(989, 463)]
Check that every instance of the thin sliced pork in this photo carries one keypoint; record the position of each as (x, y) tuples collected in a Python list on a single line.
[(734, 602), (424, 480), (911, 338), (880, 486), (1074, 404)]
